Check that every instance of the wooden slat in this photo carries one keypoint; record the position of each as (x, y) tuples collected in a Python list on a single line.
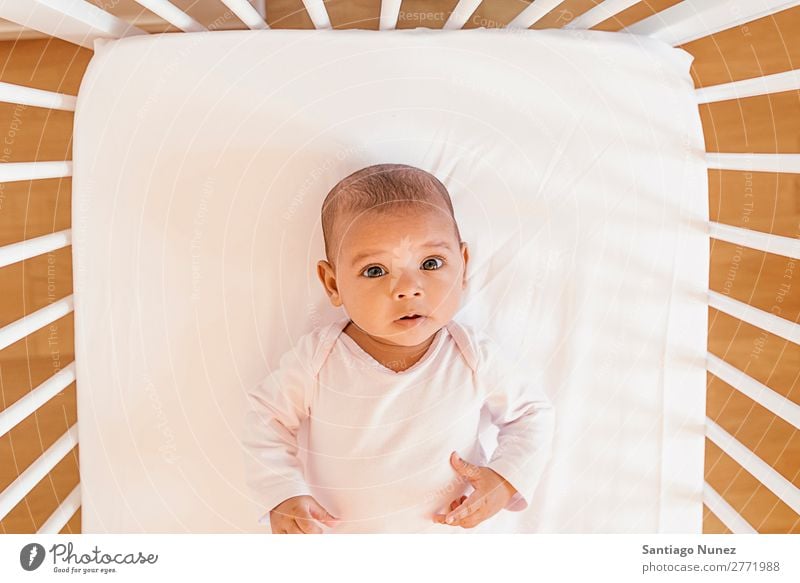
[(755, 503), (725, 512), (414, 13), (52, 64), (348, 14), (495, 14), (28, 363), (786, 246), (761, 47), (34, 283), (635, 13), (775, 83), (770, 359), (768, 436), (31, 134), (762, 201), (765, 124), (74, 524), (564, 13), (137, 14), (34, 208), (288, 14), (74, 21), (712, 524), (760, 279), (30, 514), (693, 19)]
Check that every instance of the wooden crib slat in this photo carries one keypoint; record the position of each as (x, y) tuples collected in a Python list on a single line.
[(29, 363), (74, 21), (35, 283), (768, 358), (725, 512), (600, 12), (756, 278), (49, 64), (349, 14), (494, 14), (74, 524), (712, 524), (763, 201), (748, 497), (288, 14), (763, 124), (33, 133), (772, 439), (40, 503), (693, 19), (634, 14), (761, 47), (414, 13), (564, 13), (63, 513), (33, 208), (533, 13)]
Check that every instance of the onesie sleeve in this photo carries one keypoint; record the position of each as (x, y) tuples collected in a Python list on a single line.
[(525, 419), (276, 408)]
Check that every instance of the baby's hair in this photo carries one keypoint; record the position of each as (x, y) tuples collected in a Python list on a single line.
[(382, 187)]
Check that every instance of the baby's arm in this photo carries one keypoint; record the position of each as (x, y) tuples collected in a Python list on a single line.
[(277, 407), (526, 421)]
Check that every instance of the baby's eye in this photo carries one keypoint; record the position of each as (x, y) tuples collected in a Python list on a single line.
[(373, 271), (432, 263)]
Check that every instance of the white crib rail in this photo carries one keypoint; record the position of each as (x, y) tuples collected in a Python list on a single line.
[(172, 14), (43, 465), (461, 13), (36, 246), (725, 512), (533, 13), (754, 162), (318, 13), (768, 242), (63, 513), (12, 415), (74, 21), (11, 93), (692, 19), (602, 11), (247, 14), (758, 468), (15, 171), (776, 83)]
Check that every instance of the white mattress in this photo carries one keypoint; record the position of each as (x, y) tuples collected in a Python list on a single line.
[(576, 166)]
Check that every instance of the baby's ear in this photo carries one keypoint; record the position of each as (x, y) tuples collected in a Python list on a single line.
[(327, 276)]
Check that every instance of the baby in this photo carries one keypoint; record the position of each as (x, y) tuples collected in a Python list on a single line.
[(391, 400)]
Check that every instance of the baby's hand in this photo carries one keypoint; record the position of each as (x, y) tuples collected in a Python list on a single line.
[(298, 515), (492, 493)]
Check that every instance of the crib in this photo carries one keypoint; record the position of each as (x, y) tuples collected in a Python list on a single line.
[(748, 94)]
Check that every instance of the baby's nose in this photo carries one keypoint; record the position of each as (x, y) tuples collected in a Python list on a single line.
[(407, 287)]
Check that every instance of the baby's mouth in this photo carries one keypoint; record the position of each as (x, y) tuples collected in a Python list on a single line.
[(411, 317)]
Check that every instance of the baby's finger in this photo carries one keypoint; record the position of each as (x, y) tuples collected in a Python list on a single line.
[(307, 525), (454, 504), (294, 528), (438, 518), (467, 507)]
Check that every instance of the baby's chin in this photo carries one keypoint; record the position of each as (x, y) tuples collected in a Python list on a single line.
[(405, 333)]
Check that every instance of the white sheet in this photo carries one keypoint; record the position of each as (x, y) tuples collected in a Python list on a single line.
[(575, 163)]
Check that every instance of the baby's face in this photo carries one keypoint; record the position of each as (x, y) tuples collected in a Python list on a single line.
[(391, 265)]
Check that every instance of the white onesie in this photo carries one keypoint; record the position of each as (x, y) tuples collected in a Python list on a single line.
[(372, 445)]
